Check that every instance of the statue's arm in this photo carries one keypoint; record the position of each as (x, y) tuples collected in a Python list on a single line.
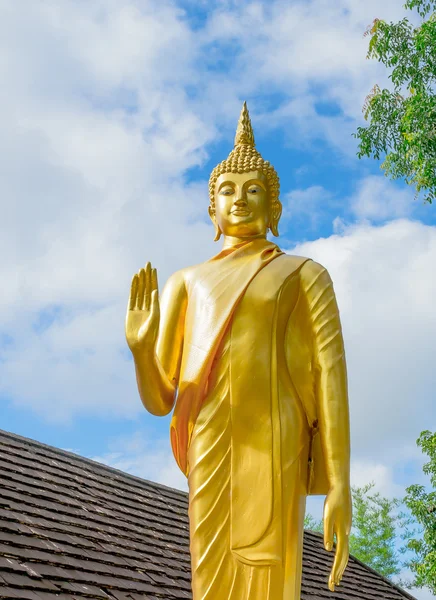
[(331, 393), (158, 355), (330, 372), (170, 340)]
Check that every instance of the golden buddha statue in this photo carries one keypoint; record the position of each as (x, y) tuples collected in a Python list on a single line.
[(248, 347)]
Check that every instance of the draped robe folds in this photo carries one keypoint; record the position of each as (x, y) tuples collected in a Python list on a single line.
[(253, 294), (213, 295)]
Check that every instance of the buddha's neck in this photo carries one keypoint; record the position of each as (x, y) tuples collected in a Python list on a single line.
[(230, 241)]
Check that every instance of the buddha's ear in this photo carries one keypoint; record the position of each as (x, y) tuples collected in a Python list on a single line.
[(276, 213), (218, 231)]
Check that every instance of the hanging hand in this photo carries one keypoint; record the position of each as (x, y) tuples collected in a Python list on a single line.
[(337, 520)]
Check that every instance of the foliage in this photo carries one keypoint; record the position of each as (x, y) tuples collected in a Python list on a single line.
[(374, 534), (378, 527), (402, 121), (312, 524), (422, 506)]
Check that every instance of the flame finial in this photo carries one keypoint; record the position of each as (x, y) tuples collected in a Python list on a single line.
[(244, 132)]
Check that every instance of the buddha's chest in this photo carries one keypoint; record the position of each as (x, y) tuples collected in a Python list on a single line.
[(270, 297)]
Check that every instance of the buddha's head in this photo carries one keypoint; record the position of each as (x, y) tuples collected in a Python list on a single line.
[(244, 189)]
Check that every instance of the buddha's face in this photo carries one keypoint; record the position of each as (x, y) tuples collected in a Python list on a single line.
[(242, 207)]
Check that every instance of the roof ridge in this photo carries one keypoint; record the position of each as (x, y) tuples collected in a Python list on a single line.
[(90, 462)]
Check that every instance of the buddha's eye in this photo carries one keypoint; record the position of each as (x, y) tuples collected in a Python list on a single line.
[(227, 191), (253, 190)]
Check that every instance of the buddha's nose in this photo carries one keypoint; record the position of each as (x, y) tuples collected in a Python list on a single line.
[(241, 202)]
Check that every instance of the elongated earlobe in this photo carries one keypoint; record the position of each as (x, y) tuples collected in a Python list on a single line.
[(276, 213), (218, 231)]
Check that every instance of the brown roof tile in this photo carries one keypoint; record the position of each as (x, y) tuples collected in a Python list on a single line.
[(71, 528)]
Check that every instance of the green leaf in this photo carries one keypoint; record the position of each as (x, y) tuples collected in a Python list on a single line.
[(402, 129), (422, 505)]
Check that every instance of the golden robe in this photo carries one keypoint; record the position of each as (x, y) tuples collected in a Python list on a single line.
[(262, 342)]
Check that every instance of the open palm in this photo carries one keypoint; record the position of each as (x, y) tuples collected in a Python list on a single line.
[(143, 313)]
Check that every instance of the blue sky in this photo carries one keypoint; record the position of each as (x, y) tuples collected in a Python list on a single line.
[(115, 113)]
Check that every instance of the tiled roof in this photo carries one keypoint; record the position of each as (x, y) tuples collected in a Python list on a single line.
[(71, 528)]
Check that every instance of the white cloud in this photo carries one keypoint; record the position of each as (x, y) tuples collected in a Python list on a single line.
[(421, 593), (308, 204), (364, 472), (309, 53), (385, 284), (144, 457), (378, 199), (92, 187), (99, 125)]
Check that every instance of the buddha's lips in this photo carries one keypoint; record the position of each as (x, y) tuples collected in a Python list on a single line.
[(241, 212)]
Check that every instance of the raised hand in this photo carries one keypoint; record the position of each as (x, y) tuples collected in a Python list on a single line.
[(143, 313), (337, 520)]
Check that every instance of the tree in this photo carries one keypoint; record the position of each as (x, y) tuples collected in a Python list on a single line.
[(402, 121), (422, 505), (312, 524), (374, 535), (376, 531)]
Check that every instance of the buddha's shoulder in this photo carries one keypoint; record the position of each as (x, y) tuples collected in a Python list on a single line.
[(293, 260), (305, 266), (181, 278)]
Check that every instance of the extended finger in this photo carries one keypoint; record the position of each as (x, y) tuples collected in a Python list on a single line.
[(154, 285), (328, 531), (341, 556), (133, 292), (331, 583), (147, 299), (344, 563), (154, 307), (341, 574), (140, 292)]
